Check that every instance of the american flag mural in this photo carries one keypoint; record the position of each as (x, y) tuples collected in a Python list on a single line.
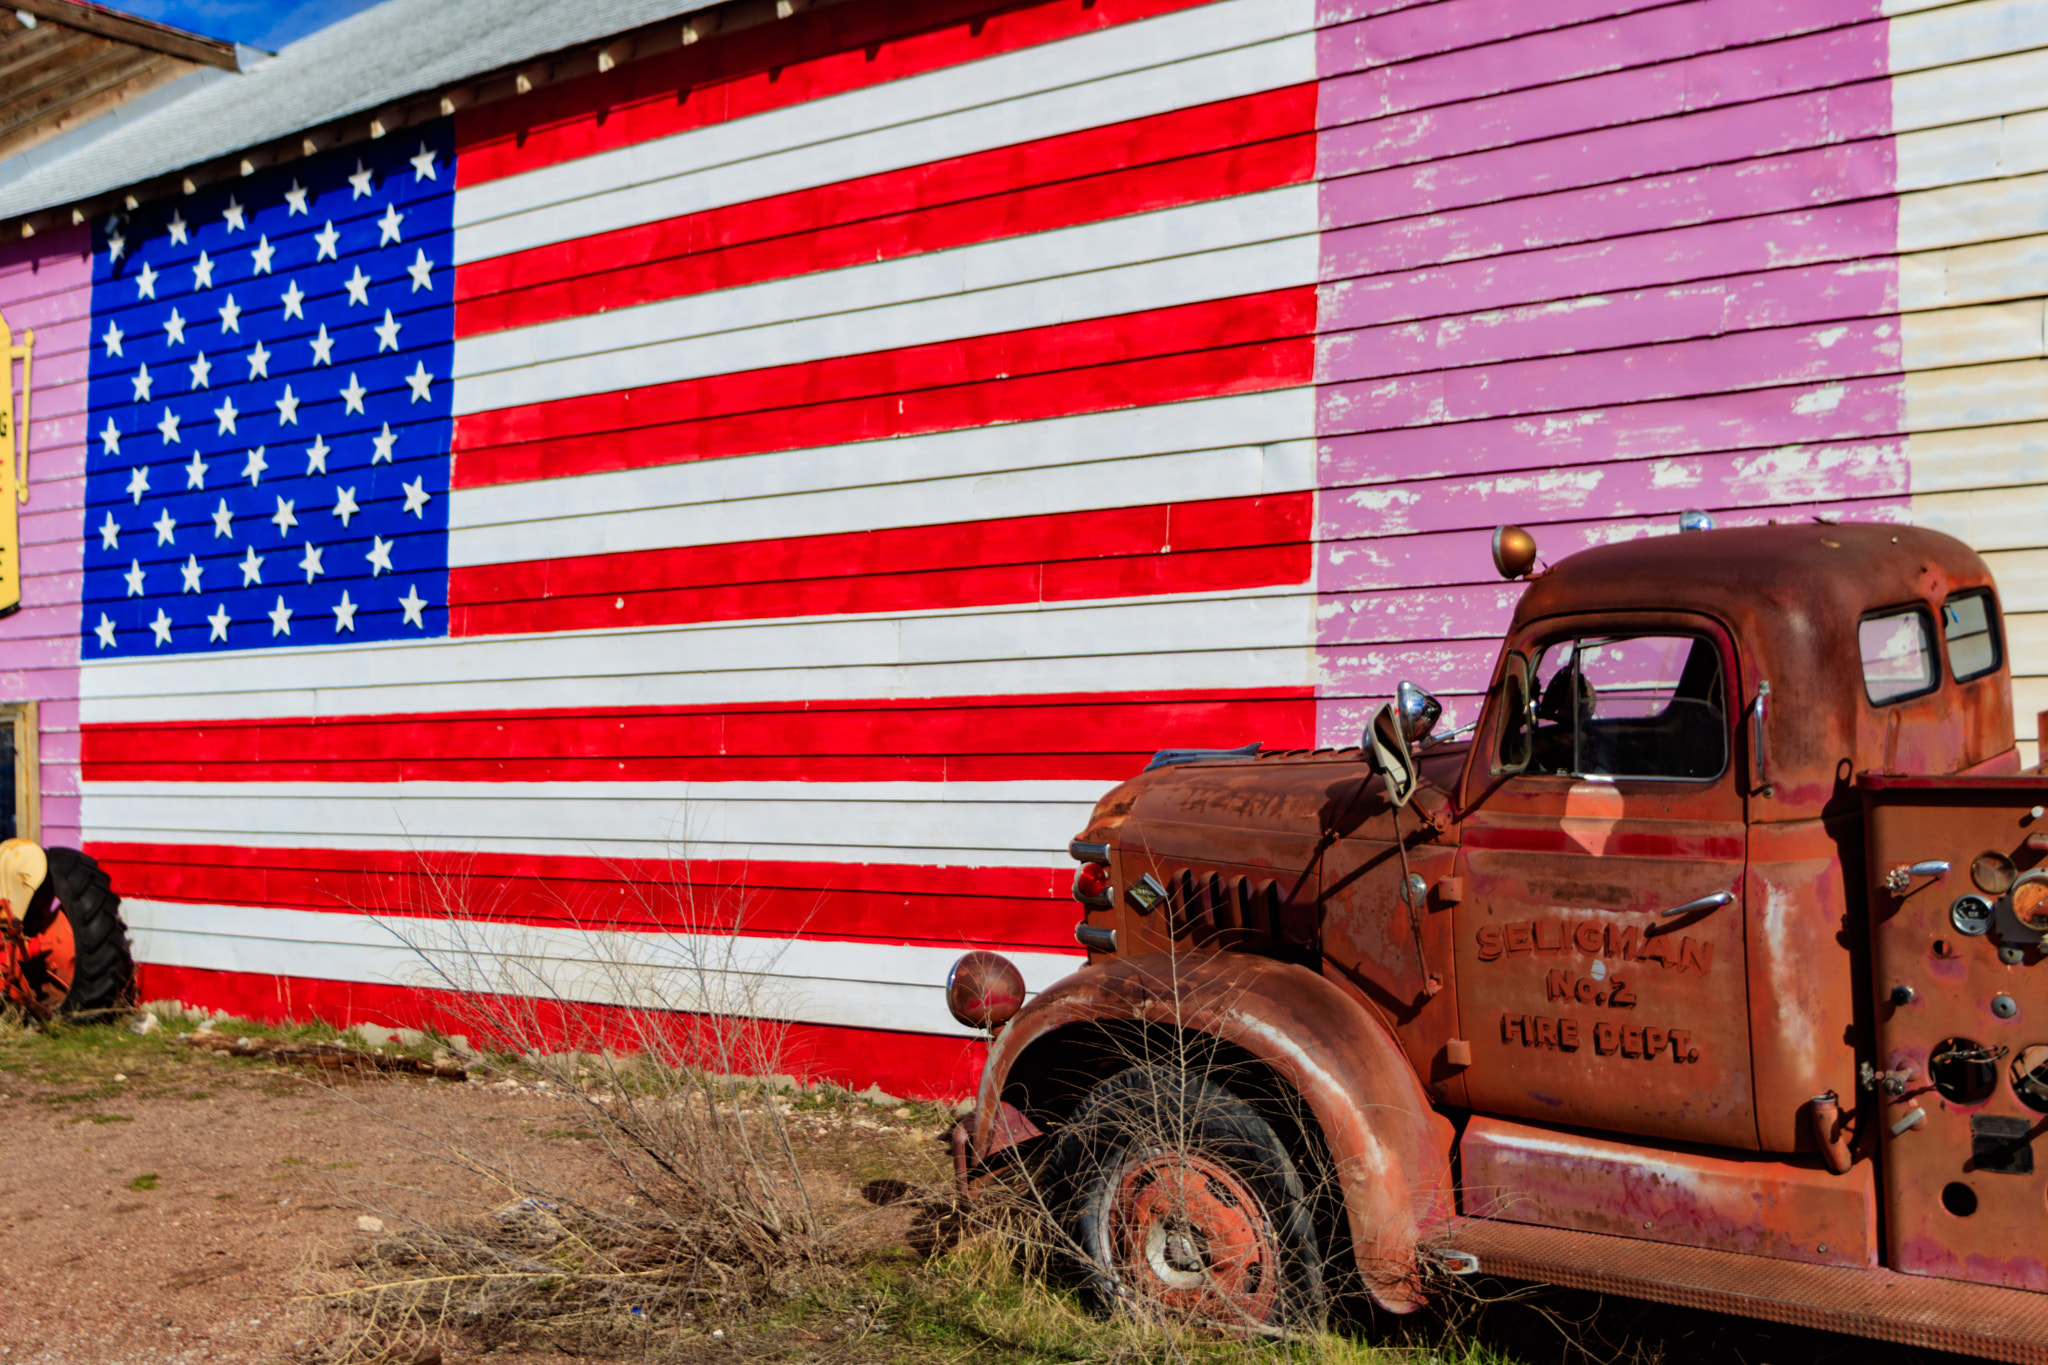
[(812, 465)]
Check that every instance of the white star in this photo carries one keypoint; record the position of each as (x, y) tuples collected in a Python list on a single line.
[(358, 286), (166, 529), (141, 381), (259, 361), (113, 339), (417, 497), (223, 522), (174, 328), (195, 473), (110, 439), (345, 505), (261, 254), (134, 577), (231, 315), (419, 270), (387, 226), (296, 197), (387, 333), (310, 561), (169, 427), (145, 283), (283, 519), (177, 227), (138, 483), (323, 345), (316, 456), (280, 618), (420, 380), (105, 630), (288, 408), (344, 614), (110, 532), (116, 244), (202, 372), (423, 165), (191, 572), (162, 628), (251, 567), (219, 622), (384, 440), (326, 237), (359, 182), (225, 414), (202, 272), (380, 556), (294, 298), (233, 215), (352, 396), (253, 467), (413, 604)]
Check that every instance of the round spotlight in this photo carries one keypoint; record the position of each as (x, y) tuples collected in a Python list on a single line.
[(984, 990), (1514, 551)]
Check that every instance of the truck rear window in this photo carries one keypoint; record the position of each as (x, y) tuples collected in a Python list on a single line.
[(1898, 654), (1969, 625)]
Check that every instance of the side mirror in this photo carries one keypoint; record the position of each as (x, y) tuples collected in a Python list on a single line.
[(1418, 712), (1386, 748)]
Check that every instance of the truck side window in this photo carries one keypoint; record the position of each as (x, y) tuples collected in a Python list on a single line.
[(1970, 625), (1898, 654), (1516, 717), (1638, 706)]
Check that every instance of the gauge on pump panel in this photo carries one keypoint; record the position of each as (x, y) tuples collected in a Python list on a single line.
[(1971, 915)]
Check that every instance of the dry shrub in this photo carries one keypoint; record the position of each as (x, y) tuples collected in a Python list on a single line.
[(662, 1046)]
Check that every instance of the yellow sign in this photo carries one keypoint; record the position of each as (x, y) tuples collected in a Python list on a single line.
[(13, 460)]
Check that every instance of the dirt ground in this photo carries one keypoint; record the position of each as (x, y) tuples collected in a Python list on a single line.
[(162, 1204), (159, 1203)]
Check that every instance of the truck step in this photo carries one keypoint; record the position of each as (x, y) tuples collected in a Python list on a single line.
[(1943, 1315)]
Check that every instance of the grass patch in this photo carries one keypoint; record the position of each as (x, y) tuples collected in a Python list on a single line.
[(104, 1118), (143, 1182)]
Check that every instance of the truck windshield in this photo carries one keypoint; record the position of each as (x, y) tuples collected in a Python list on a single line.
[(1644, 706)]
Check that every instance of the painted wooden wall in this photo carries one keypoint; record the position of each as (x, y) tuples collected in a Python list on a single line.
[(874, 434), (46, 286)]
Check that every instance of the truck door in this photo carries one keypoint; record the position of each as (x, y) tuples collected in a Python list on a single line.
[(1600, 964)]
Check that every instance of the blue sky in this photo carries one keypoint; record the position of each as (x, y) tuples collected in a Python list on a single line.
[(268, 24)]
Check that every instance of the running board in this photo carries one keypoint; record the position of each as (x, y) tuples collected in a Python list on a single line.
[(1941, 1315)]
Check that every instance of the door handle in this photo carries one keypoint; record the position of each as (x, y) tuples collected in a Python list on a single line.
[(1713, 902)]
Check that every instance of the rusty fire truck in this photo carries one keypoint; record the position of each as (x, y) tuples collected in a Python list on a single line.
[(1709, 969)]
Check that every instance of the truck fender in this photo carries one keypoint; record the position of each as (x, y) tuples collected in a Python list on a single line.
[(1391, 1149)]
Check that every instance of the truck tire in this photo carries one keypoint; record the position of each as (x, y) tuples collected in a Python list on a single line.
[(77, 959), (1181, 1200)]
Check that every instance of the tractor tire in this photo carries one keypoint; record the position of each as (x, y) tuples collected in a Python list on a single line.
[(77, 959), (1181, 1201)]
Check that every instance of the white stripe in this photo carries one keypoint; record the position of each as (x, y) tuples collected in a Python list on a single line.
[(1127, 71), (856, 985), (1245, 639), (1948, 33), (1073, 464), (949, 824), (1211, 250)]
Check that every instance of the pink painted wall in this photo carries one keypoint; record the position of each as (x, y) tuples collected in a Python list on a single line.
[(46, 285), (1586, 264)]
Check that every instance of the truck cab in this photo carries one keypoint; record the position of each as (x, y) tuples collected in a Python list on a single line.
[(1705, 969)]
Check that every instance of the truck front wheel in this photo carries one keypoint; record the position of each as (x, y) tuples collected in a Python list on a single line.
[(1181, 1199)]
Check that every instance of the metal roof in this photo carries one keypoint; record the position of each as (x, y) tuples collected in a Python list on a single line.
[(383, 54)]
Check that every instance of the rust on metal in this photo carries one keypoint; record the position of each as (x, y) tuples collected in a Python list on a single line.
[(984, 990)]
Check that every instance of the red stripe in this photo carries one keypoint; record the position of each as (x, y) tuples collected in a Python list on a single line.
[(1161, 355), (1011, 907), (1116, 552), (772, 66), (908, 1065), (959, 739), (1210, 152)]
